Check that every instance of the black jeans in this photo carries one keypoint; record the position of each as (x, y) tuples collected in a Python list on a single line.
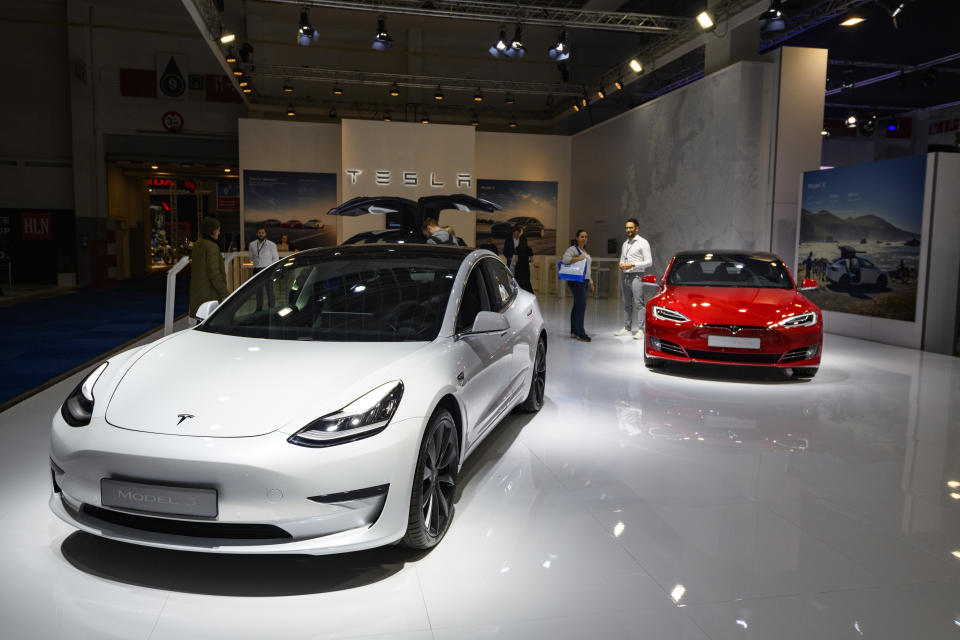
[(579, 292)]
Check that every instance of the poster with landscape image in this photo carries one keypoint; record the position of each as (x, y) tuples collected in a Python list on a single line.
[(292, 204), (860, 237), (532, 204)]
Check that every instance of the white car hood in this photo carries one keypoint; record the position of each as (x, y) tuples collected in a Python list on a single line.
[(205, 384)]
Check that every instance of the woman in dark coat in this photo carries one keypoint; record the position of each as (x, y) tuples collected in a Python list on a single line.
[(524, 257)]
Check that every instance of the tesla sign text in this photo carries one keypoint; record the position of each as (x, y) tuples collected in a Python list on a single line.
[(385, 178)]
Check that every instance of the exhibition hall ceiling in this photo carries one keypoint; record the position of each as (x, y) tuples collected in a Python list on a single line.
[(438, 59)]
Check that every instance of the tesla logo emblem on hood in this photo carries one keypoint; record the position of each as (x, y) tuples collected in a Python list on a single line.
[(184, 416), (733, 329)]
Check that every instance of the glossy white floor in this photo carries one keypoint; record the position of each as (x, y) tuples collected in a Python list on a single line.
[(689, 504)]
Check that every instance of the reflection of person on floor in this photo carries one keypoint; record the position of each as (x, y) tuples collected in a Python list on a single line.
[(208, 276), (523, 257), (808, 264), (576, 253), (263, 253)]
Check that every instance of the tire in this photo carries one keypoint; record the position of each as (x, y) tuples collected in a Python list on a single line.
[(434, 483), (882, 282), (844, 281), (802, 373), (538, 381)]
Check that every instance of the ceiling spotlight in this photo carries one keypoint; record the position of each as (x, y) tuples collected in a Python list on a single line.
[(478, 96), (893, 7), (382, 40), (438, 94), (425, 119), (516, 50), (866, 126), (475, 121), (394, 90), (772, 18), (287, 87), (705, 20), (500, 47), (513, 122), (851, 121), (244, 82), (583, 100), (291, 111), (560, 49), (247, 90), (892, 126), (231, 57), (333, 112), (824, 133), (846, 81), (227, 38), (576, 107), (636, 66), (306, 34), (387, 117), (154, 167), (849, 22), (509, 99), (237, 71), (225, 169), (618, 83), (601, 94), (337, 90)]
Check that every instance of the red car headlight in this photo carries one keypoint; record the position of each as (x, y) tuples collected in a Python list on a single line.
[(806, 319), (669, 315)]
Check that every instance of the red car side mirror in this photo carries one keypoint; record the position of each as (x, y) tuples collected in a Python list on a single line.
[(649, 279), (808, 284)]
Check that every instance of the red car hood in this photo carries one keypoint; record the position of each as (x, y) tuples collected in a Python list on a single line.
[(734, 305)]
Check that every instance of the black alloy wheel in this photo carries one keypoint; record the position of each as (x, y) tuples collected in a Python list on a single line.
[(434, 483), (538, 383)]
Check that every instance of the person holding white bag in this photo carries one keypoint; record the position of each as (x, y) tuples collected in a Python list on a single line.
[(578, 281)]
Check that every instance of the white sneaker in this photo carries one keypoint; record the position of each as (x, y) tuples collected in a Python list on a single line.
[(621, 332), (638, 335)]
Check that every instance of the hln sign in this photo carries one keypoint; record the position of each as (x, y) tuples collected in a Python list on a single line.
[(36, 226)]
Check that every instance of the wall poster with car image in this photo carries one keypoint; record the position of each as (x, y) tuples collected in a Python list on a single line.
[(529, 203), (291, 205), (860, 237)]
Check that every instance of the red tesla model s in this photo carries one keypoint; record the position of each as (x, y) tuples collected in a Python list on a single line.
[(733, 307)]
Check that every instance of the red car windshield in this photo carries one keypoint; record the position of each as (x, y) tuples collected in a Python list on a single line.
[(729, 270)]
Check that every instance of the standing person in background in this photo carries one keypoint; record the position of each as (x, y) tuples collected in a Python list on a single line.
[(576, 253), (208, 277), (635, 257), (808, 264), (263, 252), (436, 234), (523, 256), (510, 246)]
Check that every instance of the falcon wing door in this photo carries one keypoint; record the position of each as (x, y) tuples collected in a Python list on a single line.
[(400, 212), (431, 206)]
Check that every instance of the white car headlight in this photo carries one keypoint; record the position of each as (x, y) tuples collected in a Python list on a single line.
[(662, 313), (367, 415), (78, 407), (807, 319)]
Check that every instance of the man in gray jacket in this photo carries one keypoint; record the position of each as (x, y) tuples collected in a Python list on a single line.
[(436, 234)]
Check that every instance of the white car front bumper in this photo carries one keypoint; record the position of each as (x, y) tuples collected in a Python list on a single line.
[(272, 496)]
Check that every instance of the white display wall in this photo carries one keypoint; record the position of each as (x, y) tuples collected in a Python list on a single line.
[(691, 166)]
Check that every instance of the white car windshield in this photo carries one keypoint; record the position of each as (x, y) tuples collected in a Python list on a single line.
[(729, 270), (343, 295)]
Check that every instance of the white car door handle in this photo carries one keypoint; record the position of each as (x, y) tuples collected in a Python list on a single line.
[(461, 377)]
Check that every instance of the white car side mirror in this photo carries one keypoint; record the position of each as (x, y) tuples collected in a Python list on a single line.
[(206, 309), (489, 322)]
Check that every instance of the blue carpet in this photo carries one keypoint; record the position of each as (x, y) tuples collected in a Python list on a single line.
[(42, 339)]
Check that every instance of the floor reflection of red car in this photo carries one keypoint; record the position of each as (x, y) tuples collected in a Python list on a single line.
[(733, 307)]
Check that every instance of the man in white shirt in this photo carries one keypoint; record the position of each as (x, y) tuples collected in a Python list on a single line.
[(635, 257), (263, 252)]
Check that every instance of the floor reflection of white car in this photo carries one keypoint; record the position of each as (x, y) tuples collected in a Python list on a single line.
[(325, 406), (847, 272)]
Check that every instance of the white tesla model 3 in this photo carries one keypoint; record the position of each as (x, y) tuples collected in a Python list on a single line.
[(326, 406)]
